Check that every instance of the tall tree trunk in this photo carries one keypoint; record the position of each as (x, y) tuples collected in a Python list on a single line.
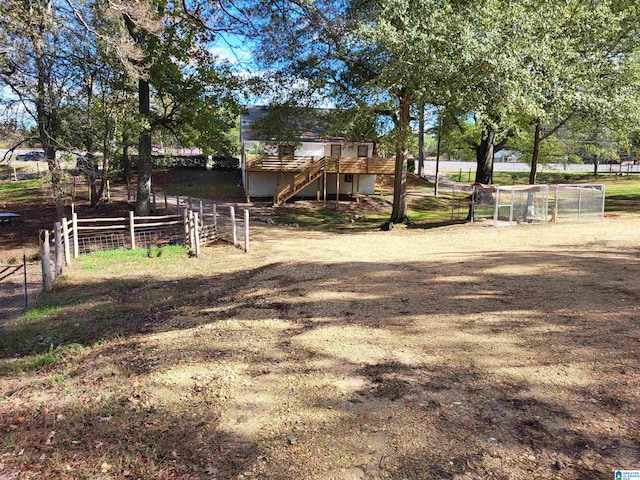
[(399, 212), (436, 185), (106, 161), (144, 141), (144, 152), (484, 155), (91, 178), (126, 160), (537, 141), (421, 142), (47, 122), (56, 175)]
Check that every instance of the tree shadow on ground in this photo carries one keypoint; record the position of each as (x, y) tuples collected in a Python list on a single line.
[(519, 366)]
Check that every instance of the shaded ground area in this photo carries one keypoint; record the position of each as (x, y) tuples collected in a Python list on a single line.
[(465, 352), (221, 185)]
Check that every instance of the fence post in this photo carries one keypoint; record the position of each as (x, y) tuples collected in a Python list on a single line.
[(495, 211), (193, 231), (65, 236), (511, 208), (201, 217), (215, 217), (45, 259), (58, 252), (24, 269), (185, 217), (108, 190), (579, 202), (166, 205), (234, 234), (132, 230), (178, 202), (453, 200), (74, 227), (196, 233), (246, 230)]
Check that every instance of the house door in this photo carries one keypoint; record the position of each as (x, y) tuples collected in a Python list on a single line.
[(336, 150)]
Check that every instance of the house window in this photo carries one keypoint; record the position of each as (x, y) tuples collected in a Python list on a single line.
[(286, 150), (363, 151), (348, 178), (336, 150)]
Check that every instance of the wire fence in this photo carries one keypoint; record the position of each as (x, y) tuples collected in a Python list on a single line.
[(577, 203), (193, 228), (14, 285), (508, 205)]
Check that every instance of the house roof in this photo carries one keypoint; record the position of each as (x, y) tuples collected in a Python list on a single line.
[(303, 125)]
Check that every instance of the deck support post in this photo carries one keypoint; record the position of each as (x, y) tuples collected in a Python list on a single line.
[(248, 192), (357, 188), (338, 187), (324, 186)]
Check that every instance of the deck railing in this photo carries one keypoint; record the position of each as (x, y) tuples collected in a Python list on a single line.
[(278, 164), (353, 165)]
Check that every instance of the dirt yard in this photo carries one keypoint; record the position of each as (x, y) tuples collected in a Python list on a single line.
[(463, 352)]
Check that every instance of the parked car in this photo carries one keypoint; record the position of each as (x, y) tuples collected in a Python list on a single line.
[(30, 156)]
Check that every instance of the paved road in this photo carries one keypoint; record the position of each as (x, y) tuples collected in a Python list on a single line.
[(430, 167)]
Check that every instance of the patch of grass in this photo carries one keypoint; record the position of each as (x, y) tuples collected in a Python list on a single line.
[(49, 322), (20, 191), (430, 209), (366, 216), (35, 361), (38, 313), (138, 256), (9, 440), (200, 183), (328, 218)]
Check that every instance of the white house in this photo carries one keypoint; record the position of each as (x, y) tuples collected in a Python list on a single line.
[(307, 162)]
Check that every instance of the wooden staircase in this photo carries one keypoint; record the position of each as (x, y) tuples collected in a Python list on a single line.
[(300, 180)]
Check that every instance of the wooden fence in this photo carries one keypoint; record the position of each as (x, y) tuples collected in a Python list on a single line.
[(72, 238)]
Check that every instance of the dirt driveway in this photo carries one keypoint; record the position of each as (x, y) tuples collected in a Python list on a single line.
[(465, 352)]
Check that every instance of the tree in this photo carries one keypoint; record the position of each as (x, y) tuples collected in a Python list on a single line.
[(579, 64), (38, 73), (181, 87), (377, 58)]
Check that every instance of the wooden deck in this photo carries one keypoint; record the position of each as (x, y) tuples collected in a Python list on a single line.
[(296, 164)]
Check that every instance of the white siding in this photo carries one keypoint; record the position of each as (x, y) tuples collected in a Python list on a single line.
[(263, 184), (348, 149)]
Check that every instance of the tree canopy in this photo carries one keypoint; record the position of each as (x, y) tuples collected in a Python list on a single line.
[(500, 72)]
